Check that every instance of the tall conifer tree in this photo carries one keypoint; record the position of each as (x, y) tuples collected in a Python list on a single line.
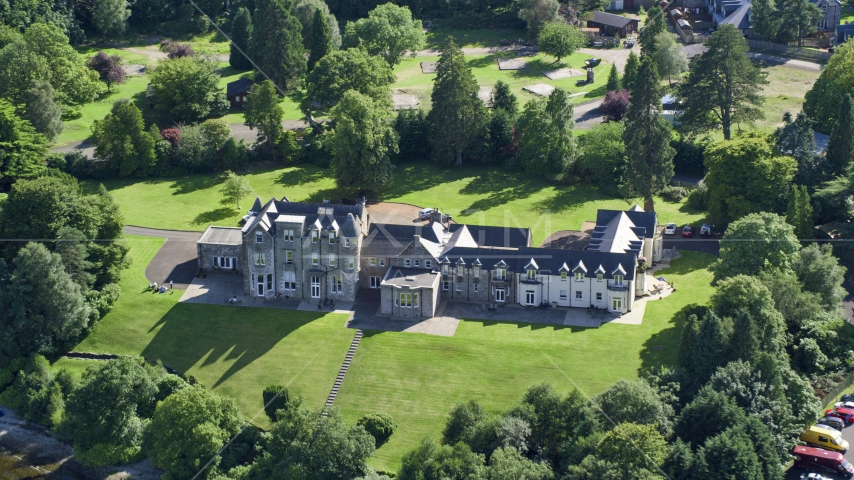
[(320, 42), (276, 44), (241, 32), (841, 142), (458, 114)]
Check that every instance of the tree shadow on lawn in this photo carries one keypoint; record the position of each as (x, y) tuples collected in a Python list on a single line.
[(567, 199), (191, 332), (302, 174), (661, 348), (214, 216), (488, 60), (534, 68), (191, 183), (417, 176), (501, 189)]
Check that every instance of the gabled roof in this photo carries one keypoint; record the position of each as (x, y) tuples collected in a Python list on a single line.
[(610, 19), (221, 236), (619, 235), (238, 87), (318, 215), (487, 236), (739, 18)]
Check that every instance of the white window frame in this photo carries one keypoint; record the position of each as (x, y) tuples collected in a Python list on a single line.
[(346, 242), (315, 259), (396, 298), (289, 257), (289, 281), (599, 277), (563, 275), (332, 259), (337, 285), (382, 262), (532, 274), (259, 259), (500, 273), (259, 237), (564, 294), (618, 279), (598, 296), (579, 294), (415, 299), (461, 270), (269, 282), (458, 286), (428, 263), (289, 235), (475, 286), (617, 303), (500, 295), (444, 269), (331, 238), (351, 263), (376, 282), (315, 287), (417, 262), (446, 285), (530, 297), (475, 271), (315, 235), (372, 261), (407, 262), (579, 276)]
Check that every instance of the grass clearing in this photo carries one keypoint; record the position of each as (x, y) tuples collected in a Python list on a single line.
[(466, 38), (485, 70), (234, 351), (473, 194), (418, 378)]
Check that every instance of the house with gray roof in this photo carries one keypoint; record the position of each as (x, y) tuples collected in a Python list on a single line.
[(319, 252), (738, 13)]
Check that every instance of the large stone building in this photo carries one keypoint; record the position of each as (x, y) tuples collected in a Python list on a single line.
[(321, 252)]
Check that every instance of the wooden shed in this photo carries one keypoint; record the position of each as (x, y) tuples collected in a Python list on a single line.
[(611, 25)]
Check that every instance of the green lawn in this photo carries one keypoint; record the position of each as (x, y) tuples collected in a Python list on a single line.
[(472, 38), (847, 14), (418, 378), (411, 80), (128, 58), (234, 351), (474, 194)]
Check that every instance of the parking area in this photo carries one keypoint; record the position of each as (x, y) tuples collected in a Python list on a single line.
[(698, 243)]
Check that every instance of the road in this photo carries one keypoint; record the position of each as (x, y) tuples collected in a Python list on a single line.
[(175, 261)]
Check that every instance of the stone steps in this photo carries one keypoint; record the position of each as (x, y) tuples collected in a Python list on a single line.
[(336, 387)]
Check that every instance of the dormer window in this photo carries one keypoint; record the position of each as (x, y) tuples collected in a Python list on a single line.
[(460, 269), (259, 237), (314, 236), (563, 275), (288, 235), (532, 274), (346, 242), (618, 279), (501, 273), (331, 237), (444, 269), (579, 276), (476, 271), (599, 277)]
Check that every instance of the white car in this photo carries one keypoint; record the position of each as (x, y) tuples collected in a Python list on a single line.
[(425, 213), (813, 476), (670, 229)]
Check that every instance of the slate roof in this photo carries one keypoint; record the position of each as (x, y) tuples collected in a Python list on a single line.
[(238, 87), (487, 236), (739, 18), (610, 19), (549, 260), (319, 215), (410, 277), (645, 220), (618, 235), (222, 236)]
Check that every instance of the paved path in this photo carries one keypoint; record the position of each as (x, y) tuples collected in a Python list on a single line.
[(175, 261)]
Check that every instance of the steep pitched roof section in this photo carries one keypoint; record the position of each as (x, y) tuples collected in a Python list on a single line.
[(487, 236), (610, 19), (618, 235), (548, 260), (320, 215), (238, 87)]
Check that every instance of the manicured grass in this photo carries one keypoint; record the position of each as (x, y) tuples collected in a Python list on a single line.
[(418, 378), (847, 14), (81, 128), (290, 103), (784, 93), (234, 351), (211, 42), (485, 70), (473, 194), (128, 58)]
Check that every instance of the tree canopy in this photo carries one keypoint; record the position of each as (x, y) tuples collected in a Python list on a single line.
[(723, 85), (544, 131), (187, 88), (22, 149), (389, 31), (757, 242), (363, 143), (560, 39), (264, 113), (840, 145), (277, 44), (836, 80), (745, 176), (319, 40), (343, 70), (241, 33), (120, 139)]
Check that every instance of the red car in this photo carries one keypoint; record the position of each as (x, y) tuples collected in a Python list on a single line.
[(846, 414), (688, 231)]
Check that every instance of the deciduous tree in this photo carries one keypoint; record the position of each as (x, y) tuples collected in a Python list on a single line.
[(819, 272), (120, 139), (616, 104), (798, 19), (603, 157), (646, 453), (305, 10), (108, 67), (744, 176), (723, 85), (457, 114), (277, 45), (241, 33), (822, 101), (44, 310), (647, 138), (42, 111), (560, 39), (264, 113), (544, 131), (187, 88), (765, 19), (389, 31), (320, 39), (757, 242), (669, 56), (343, 70), (655, 24), (637, 402), (537, 13), (840, 146), (363, 143), (188, 429), (234, 188)]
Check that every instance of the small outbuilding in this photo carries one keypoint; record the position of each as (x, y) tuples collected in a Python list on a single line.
[(611, 25), (238, 91)]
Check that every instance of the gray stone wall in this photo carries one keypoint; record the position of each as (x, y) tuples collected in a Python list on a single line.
[(252, 248), (207, 251), (425, 308), (386, 300)]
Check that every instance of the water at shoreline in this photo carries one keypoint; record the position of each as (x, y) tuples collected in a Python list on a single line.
[(18, 467)]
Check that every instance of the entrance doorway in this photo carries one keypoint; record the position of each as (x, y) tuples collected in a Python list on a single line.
[(315, 287), (375, 282), (499, 294), (260, 285), (529, 297), (617, 304)]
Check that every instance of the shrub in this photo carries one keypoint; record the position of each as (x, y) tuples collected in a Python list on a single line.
[(276, 397), (699, 197), (288, 147), (172, 135), (33, 393), (379, 425), (689, 156), (616, 104), (674, 194)]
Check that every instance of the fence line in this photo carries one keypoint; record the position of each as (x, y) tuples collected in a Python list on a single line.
[(837, 390), (789, 51)]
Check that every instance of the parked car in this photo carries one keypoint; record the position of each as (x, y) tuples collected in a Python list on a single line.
[(592, 62), (845, 414), (832, 422), (688, 231), (425, 213), (824, 437), (813, 476), (821, 460), (706, 229), (670, 229), (848, 397)]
